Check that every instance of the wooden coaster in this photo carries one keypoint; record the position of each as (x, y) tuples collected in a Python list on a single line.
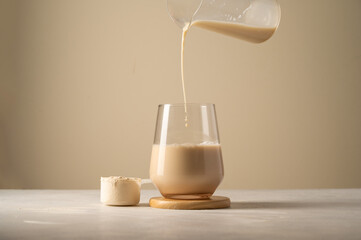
[(213, 202)]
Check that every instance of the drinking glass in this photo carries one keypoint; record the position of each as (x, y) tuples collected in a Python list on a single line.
[(186, 161)]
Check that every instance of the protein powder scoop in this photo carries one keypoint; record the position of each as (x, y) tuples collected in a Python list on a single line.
[(121, 191)]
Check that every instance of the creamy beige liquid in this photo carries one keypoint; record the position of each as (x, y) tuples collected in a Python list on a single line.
[(237, 30), (186, 171), (184, 33)]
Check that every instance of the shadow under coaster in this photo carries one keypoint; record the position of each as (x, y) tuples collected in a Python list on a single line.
[(213, 202)]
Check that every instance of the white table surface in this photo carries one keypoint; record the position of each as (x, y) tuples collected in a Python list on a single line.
[(272, 214)]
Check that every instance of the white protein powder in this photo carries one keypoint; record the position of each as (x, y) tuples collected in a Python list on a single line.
[(120, 190)]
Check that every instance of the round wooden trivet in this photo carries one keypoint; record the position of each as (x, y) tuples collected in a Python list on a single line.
[(213, 202)]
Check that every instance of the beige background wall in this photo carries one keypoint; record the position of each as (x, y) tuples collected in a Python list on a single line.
[(80, 82)]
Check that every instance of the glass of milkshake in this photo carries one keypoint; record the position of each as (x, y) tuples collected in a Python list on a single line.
[(186, 160)]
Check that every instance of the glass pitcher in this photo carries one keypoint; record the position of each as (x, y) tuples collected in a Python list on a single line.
[(250, 20)]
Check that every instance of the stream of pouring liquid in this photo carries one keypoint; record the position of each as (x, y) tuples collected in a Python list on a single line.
[(184, 33), (253, 34)]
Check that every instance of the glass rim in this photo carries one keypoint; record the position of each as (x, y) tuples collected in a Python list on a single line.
[(182, 104)]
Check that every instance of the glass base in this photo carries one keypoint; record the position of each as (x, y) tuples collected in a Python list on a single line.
[(188, 196)]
